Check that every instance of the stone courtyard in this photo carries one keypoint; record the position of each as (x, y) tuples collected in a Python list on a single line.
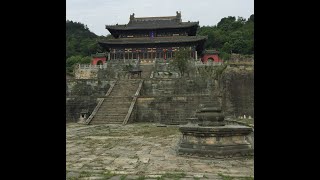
[(141, 151)]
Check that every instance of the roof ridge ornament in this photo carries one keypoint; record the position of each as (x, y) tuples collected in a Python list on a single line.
[(132, 17), (178, 16)]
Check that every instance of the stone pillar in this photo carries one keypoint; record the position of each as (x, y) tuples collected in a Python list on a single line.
[(196, 55), (124, 56)]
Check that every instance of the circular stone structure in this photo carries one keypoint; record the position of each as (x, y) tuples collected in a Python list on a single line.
[(208, 115), (209, 136)]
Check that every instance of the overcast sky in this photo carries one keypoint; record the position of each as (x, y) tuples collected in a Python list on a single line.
[(98, 13)]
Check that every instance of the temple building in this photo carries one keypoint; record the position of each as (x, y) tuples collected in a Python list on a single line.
[(148, 38)]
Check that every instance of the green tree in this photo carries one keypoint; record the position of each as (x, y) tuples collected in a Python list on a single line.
[(181, 60), (230, 35), (80, 40), (73, 60)]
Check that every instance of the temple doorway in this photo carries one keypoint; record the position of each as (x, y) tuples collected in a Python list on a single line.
[(99, 63)]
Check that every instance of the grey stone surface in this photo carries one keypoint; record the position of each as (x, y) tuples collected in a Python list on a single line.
[(181, 95), (73, 175), (134, 150)]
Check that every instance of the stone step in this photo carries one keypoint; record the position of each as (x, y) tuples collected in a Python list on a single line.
[(118, 98), (120, 87), (127, 91), (108, 111), (111, 115), (113, 107), (129, 94), (108, 120), (116, 103)]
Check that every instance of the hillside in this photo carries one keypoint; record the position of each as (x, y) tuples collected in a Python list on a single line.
[(230, 35), (80, 41), (80, 44)]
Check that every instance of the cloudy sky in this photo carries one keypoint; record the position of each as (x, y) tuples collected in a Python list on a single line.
[(98, 13)]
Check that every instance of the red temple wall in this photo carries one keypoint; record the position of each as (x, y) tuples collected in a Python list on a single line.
[(215, 58), (94, 61)]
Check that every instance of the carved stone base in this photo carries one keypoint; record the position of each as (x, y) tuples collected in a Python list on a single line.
[(223, 141), (212, 123)]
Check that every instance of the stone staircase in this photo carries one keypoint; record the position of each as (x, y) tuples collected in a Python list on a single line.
[(116, 108), (146, 71)]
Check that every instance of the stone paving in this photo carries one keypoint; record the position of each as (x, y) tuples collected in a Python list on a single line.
[(141, 151)]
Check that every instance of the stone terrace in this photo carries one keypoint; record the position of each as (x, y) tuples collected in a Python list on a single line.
[(141, 151)]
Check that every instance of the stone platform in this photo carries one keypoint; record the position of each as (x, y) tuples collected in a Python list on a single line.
[(215, 141), (140, 150)]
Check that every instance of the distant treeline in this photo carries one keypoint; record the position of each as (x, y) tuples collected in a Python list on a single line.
[(230, 35)]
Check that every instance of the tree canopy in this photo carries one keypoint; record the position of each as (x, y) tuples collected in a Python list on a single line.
[(230, 35), (180, 60), (80, 40), (80, 44)]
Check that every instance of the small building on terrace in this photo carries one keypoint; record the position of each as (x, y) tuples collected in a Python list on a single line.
[(210, 56), (98, 58)]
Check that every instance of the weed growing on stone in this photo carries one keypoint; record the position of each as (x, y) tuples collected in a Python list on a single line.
[(123, 177), (141, 178), (174, 175), (225, 177)]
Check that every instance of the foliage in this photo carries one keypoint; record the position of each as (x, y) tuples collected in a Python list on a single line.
[(225, 177), (180, 60), (108, 174), (123, 177), (73, 60), (141, 177), (81, 89), (213, 75), (127, 67), (80, 40), (80, 44), (230, 35), (174, 175)]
